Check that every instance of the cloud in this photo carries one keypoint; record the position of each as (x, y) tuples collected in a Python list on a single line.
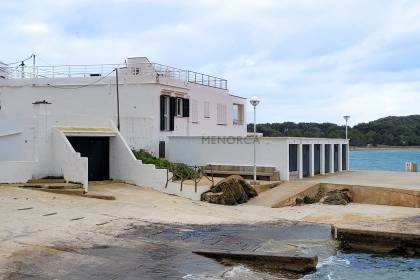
[(33, 29), (307, 60)]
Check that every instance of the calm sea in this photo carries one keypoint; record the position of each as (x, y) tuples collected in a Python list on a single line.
[(383, 159)]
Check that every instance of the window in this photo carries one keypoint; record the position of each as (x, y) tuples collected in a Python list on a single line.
[(167, 113), (179, 103), (136, 70), (238, 114), (186, 108), (206, 109), (194, 111), (221, 114)]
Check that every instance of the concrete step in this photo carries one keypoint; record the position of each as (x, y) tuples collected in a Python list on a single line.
[(275, 261), (51, 186), (46, 181), (383, 241)]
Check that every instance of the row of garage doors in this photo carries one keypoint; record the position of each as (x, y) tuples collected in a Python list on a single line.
[(293, 158)]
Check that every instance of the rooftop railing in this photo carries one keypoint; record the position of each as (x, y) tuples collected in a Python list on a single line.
[(100, 70)]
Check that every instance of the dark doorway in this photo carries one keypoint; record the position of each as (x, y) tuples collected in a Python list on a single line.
[(162, 149), (293, 157), (317, 158), (96, 149), (327, 158), (305, 159), (344, 157), (335, 157)]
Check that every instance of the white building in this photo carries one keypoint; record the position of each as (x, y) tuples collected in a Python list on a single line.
[(81, 122)]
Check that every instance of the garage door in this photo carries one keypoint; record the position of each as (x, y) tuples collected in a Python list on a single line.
[(96, 149), (305, 159)]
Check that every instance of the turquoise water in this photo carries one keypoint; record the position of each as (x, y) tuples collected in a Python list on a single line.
[(381, 159), (362, 266)]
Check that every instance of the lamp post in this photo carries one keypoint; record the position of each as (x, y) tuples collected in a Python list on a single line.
[(347, 119), (254, 102)]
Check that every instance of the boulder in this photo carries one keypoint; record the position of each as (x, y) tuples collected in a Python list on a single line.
[(337, 197), (230, 191)]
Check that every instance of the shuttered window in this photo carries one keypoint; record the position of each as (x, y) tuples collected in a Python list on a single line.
[(221, 114), (167, 113), (172, 113), (206, 109), (194, 111), (179, 107), (186, 107)]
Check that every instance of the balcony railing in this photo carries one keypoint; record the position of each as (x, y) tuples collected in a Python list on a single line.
[(238, 122), (100, 70)]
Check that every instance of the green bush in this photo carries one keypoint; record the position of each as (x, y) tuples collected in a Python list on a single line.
[(308, 200), (180, 171)]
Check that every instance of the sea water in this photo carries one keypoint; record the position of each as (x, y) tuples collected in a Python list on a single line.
[(383, 159), (362, 266)]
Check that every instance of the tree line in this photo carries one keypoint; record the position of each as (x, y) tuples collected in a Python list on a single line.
[(390, 131)]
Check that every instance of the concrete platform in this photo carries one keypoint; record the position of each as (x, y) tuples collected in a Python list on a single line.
[(400, 236), (370, 187), (403, 180), (270, 260)]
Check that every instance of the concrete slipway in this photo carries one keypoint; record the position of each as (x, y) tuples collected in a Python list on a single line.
[(369, 187)]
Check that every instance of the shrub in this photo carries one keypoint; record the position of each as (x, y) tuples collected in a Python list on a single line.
[(180, 171), (308, 200)]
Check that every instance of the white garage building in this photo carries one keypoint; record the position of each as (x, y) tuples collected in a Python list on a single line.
[(81, 122)]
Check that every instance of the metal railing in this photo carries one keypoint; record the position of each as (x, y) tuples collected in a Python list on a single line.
[(198, 175), (190, 76), (98, 70)]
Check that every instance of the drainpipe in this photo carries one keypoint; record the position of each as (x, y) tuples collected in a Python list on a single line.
[(118, 99)]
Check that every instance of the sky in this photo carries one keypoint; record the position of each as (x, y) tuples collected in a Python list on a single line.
[(308, 61)]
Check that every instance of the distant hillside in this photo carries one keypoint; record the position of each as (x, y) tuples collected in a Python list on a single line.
[(392, 131)]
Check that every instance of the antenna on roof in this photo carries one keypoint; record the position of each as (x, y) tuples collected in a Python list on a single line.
[(33, 65), (22, 65)]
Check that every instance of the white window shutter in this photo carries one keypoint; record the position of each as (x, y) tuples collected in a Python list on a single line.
[(221, 113), (194, 111), (206, 109)]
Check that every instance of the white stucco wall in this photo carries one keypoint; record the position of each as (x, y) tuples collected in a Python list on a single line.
[(235, 151), (70, 164), (270, 151), (125, 167), (16, 171), (95, 104)]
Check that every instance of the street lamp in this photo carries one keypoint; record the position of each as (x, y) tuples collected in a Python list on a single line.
[(254, 102), (347, 119)]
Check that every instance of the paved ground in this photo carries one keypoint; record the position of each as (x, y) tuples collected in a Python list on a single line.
[(404, 180)]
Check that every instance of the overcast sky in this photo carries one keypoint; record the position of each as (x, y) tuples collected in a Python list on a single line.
[(307, 60)]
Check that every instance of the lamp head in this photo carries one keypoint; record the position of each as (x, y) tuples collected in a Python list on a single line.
[(346, 117), (254, 101)]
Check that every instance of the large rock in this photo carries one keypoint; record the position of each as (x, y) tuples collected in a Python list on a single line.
[(337, 197), (230, 191)]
